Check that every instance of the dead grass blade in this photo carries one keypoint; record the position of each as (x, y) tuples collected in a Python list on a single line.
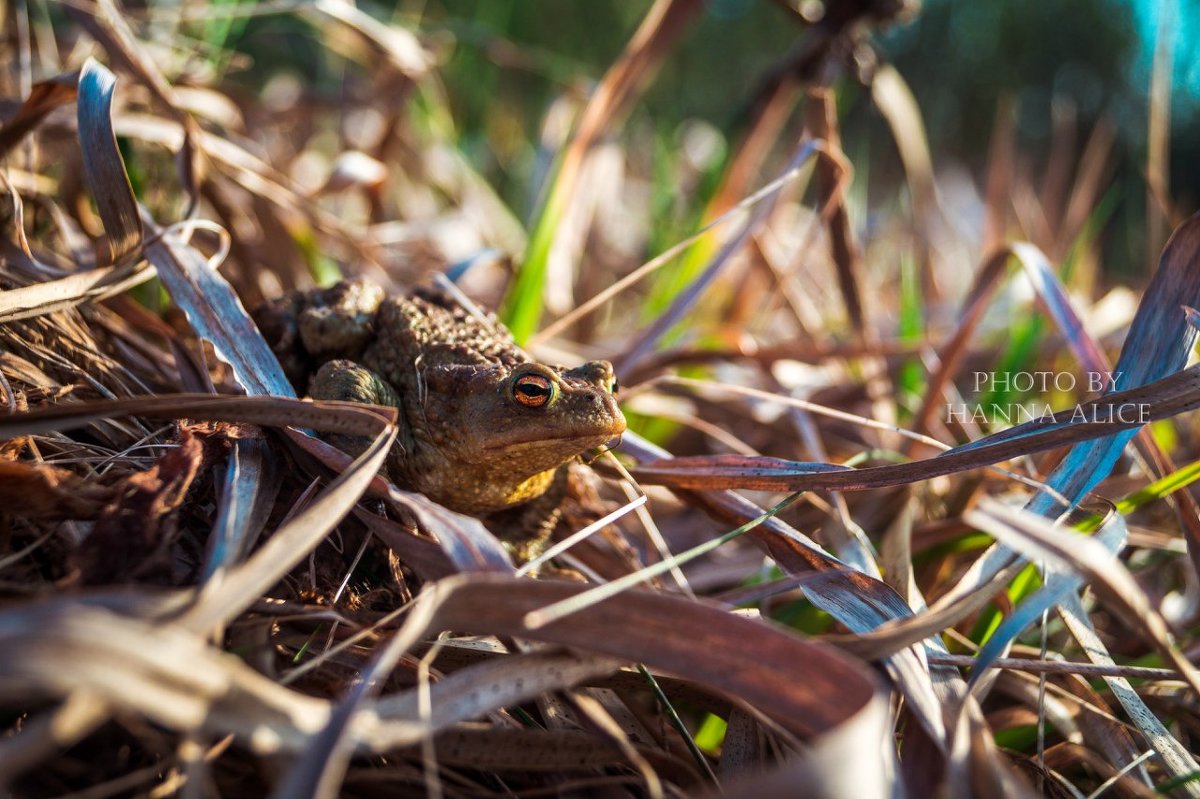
[(398, 45), (1052, 297), (322, 766), (163, 673), (1037, 538), (1111, 535), (217, 315), (857, 600), (251, 483), (683, 637), (1159, 342), (41, 299), (899, 107), (1056, 303), (1176, 759), (663, 24), (473, 692), (107, 24), (822, 124), (1162, 399), (221, 600), (44, 97), (731, 214), (1158, 130), (647, 341), (103, 166), (346, 418)]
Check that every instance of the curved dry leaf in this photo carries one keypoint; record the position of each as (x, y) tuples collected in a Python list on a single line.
[(857, 600), (1176, 759), (161, 672), (1162, 399), (398, 45), (346, 418), (1036, 537), (322, 766), (251, 483), (216, 314), (47, 297), (223, 599), (43, 98), (1159, 342), (899, 107), (103, 167), (807, 687), (473, 692)]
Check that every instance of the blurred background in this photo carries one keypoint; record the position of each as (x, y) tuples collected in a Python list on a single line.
[(973, 67)]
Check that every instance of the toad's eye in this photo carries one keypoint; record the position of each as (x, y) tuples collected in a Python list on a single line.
[(533, 391)]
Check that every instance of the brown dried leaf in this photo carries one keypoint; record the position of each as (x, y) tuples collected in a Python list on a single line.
[(130, 536), (43, 98), (41, 491)]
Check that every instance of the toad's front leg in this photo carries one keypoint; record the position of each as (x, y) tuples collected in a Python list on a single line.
[(349, 382)]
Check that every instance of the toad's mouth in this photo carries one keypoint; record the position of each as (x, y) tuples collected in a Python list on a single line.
[(567, 440)]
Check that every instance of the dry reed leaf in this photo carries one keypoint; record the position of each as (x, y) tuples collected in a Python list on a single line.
[(644, 343), (678, 636), (345, 418), (398, 45), (1037, 538), (899, 107), (221, 600), (45, 96), (103, 167), (217, 315), (855, 599), (41, 299), (162, 672), (473, 692), (1176, 758), (1087, 421)]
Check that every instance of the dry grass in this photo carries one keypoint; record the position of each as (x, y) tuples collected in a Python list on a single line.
[(201, 597)]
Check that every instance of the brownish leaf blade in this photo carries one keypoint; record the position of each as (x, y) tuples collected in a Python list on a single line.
[(807, 687), (1170, 396), (43, 98)]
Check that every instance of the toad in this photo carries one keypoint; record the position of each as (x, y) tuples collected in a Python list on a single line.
[(484, 429)]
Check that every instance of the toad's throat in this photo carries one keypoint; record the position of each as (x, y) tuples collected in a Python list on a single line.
[(483, 493)]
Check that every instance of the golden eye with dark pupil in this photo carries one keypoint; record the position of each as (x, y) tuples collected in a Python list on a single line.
[(533, 391)]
